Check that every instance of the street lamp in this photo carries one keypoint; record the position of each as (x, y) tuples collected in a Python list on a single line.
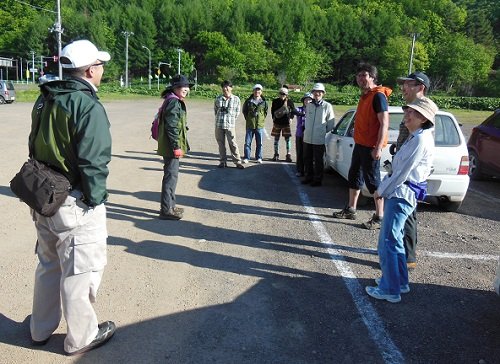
[(127, 34), (159, 64), (179, 63), (149, 65)]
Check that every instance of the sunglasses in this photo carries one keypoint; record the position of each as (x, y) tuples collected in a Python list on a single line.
[(282, 94)]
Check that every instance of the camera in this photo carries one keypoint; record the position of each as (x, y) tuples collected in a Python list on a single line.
[(223, 109)]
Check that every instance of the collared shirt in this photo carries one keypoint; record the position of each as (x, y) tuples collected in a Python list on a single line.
[(412, 163), (226, 111)]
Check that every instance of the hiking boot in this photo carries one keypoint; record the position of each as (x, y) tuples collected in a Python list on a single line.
[(276, 157), (106, 331), (411, 265), (374, 223), (378, 294), (172, 214), (404, 288), (289, 158), (346, 213)]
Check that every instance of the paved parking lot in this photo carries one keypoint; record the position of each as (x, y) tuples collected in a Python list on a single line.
[(257, 271)]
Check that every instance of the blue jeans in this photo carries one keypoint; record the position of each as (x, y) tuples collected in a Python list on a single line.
[(248, 142), (391, 251)]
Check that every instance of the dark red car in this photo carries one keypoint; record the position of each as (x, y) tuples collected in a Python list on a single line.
[(484, 148)]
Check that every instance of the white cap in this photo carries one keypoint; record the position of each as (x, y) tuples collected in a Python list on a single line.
[(318, 87), (284, 90), (258, 85), (82, 53)]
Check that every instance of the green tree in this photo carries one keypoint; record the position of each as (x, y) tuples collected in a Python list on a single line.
[(396, 58), (460, 64), (301, 63)]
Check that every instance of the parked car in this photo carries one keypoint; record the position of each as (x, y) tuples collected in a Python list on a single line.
[(449, 181), (484, 148), (7, 92)]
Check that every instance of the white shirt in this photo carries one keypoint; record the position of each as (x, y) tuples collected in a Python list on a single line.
[(413, 163)]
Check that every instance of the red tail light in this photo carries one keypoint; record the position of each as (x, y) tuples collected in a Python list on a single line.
[(464, 165)]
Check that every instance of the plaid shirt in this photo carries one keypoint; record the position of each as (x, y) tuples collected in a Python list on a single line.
[(226, 111)]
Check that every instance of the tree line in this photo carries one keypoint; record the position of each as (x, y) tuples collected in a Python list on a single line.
[(273, 41)]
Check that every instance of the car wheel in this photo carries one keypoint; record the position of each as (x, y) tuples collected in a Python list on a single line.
[(474, 166), (450, 206), (2, 100)]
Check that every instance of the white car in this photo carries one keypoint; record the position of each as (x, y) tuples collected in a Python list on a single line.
[(446, 186)]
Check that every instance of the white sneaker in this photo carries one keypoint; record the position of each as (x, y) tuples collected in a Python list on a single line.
[(404, 288), (378, 294), (244, 161), (259, 161)]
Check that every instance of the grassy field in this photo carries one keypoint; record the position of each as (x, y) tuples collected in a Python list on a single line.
[(29, 93)]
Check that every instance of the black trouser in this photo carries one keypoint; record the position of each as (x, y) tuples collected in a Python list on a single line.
[(299, 151), (169, 183), (410, 237), (313, 161)]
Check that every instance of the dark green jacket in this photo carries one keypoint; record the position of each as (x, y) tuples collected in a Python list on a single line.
[(74, 136), (172, 131), (255, 114)]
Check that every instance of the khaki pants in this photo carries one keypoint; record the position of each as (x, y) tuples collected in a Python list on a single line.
[(71, 249), (221, 135)]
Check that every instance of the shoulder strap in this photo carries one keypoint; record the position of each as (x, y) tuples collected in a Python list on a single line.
[(31, 142)]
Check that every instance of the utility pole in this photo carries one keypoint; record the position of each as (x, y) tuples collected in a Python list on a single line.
[(127, 34), (413, 39), (33, 66), (179, 63), (59, 31), (149, 66)]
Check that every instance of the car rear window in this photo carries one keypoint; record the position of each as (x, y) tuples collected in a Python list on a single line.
[(10, 86), (445, 132)]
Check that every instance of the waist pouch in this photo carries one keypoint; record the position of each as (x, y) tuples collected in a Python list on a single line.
[(40, 187), (419, 188)]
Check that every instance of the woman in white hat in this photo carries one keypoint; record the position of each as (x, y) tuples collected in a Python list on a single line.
[(401, 189)]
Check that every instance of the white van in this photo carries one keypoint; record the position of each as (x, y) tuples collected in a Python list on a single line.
[(446, 186)]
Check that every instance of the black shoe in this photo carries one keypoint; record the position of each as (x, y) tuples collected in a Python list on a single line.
[(40, 343), (306, 181), (106, 331), (222, 165), (315, 183), (172, 214), (240, 166), (276, 157), (289, 158)]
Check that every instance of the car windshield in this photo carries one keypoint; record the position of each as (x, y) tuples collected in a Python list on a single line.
[(343, 123)]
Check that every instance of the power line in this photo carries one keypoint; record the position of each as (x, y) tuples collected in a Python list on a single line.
[(34, 6)]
